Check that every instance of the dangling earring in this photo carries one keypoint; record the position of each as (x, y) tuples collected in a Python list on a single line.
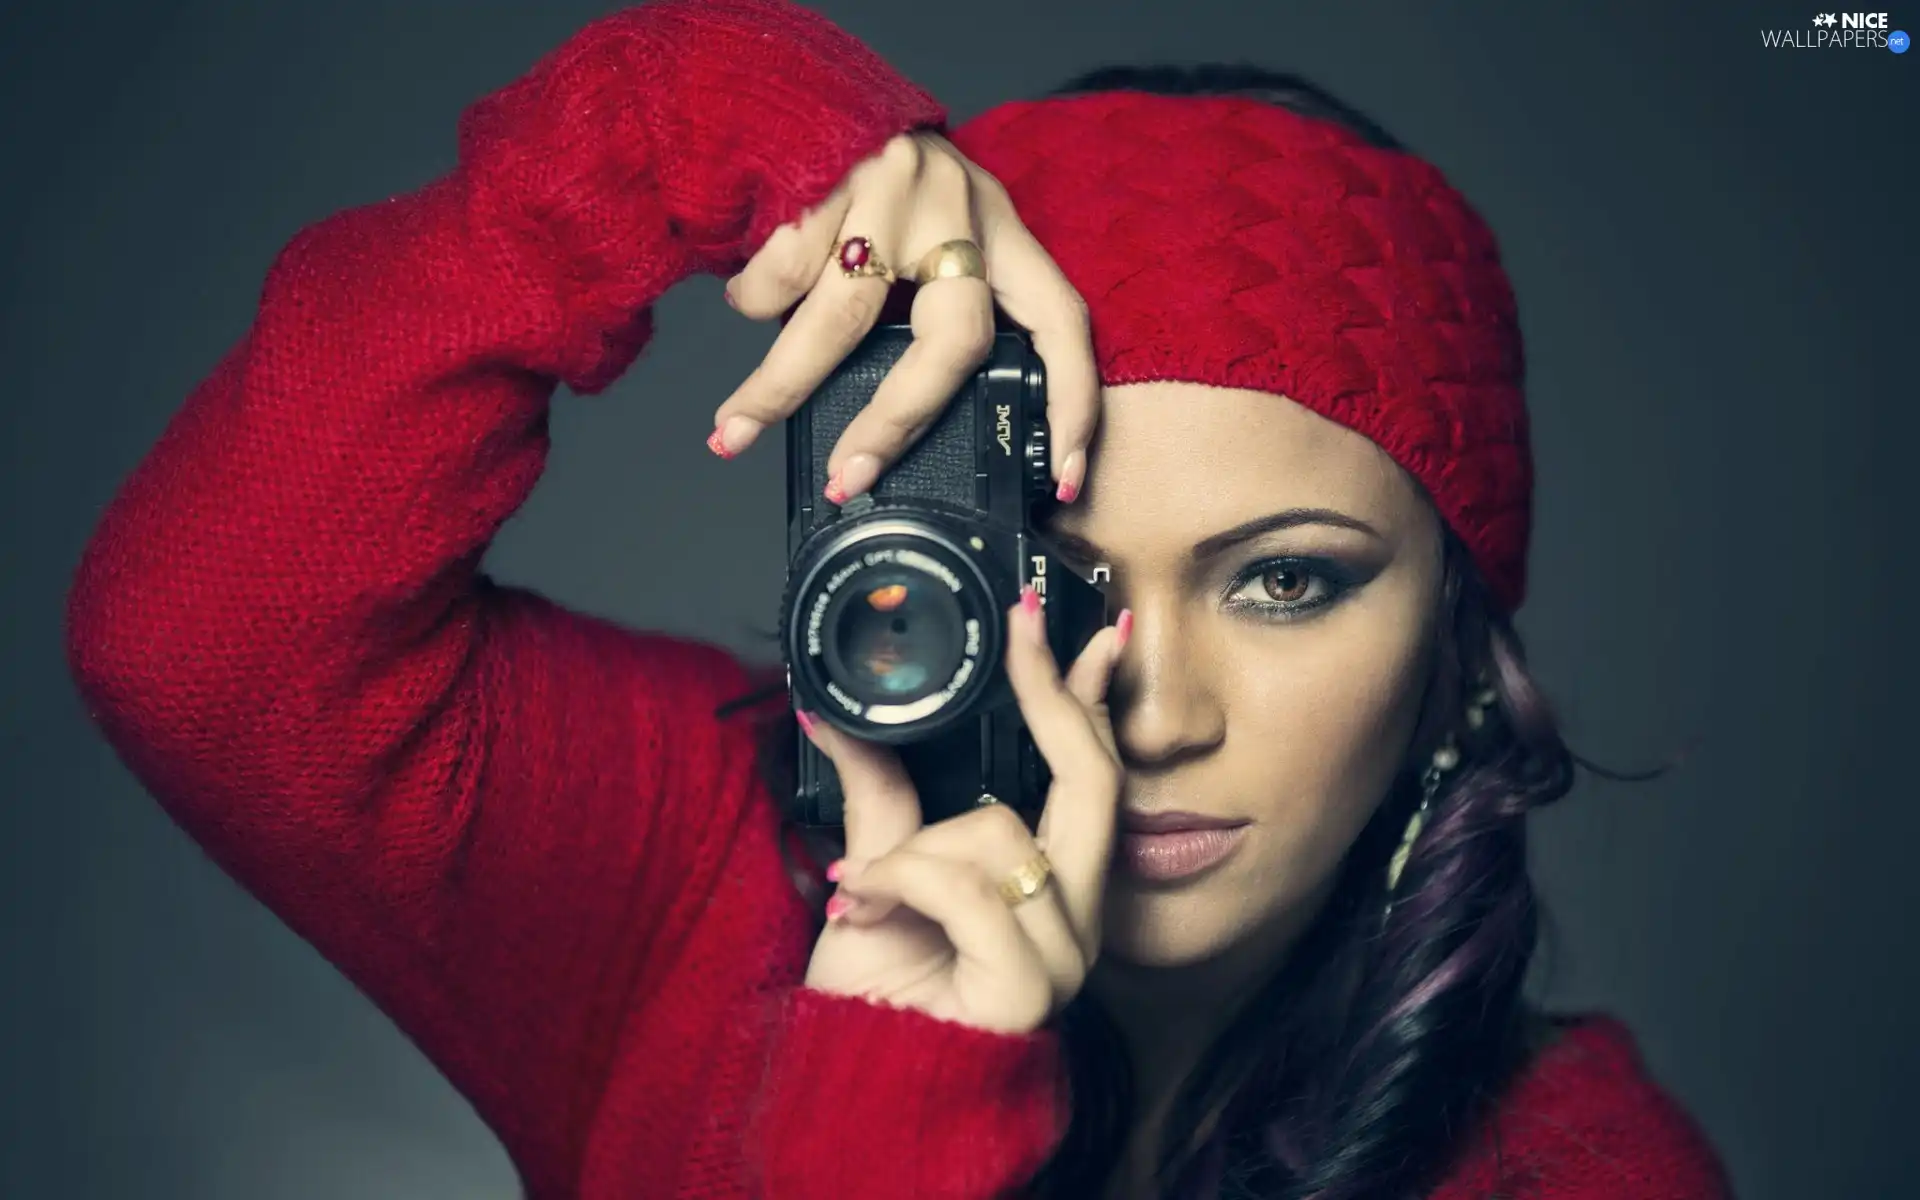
[(1444, 760)]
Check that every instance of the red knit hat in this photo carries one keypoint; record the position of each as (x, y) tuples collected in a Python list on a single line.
[(1229, 241)]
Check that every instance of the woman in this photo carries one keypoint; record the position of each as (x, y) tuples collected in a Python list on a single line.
[(529, 837)]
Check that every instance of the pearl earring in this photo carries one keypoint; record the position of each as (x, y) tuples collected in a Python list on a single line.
[(1444, 760)]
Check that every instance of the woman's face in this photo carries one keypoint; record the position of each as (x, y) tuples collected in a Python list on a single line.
[(1283, 574)]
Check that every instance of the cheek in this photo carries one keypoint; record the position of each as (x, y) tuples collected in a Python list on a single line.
[(1330, 712)]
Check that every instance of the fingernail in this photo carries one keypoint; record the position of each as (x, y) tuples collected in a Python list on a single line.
[(1029, 601), (835, 493), (1073, 473), (806, 721), (857, 474), (1123, 628), (734, 435), (838, 907), (731, 302), (842, 868)]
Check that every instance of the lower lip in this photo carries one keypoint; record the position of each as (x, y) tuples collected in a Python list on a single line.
[(1165, 856)]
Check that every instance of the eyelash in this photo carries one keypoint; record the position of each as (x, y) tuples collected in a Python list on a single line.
[(1335, 580)]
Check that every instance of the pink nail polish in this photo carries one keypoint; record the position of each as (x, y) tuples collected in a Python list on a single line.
[(836, 493), (1124, 626), (1072, 473), (716, 444), (806, 721), (836, 870), (837, 907), (1029, 600)]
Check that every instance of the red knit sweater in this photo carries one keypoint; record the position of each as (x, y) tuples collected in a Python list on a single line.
[(518, 829)]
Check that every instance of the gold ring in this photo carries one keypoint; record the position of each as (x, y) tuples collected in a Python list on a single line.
[(859, 260), (1025, 883), (960, 259)]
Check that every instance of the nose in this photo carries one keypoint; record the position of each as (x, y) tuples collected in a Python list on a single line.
[(1162, 700)]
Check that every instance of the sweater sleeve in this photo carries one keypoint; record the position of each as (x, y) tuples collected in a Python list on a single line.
[(867, 1101), (1590, 1122), (498, 818)]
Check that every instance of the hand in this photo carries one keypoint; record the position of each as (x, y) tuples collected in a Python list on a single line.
[(917, 193), (927, 927)]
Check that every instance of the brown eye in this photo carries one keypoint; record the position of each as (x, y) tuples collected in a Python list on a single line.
[(1282, 589), (1286, 585)]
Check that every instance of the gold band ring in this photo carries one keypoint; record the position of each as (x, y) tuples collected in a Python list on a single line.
[(959, 259), (1025, 883)]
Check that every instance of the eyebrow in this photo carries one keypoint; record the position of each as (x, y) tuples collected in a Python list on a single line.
[(1246, 531)]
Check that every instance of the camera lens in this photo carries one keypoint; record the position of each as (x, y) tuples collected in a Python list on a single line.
[(892, 623), (897, 636)]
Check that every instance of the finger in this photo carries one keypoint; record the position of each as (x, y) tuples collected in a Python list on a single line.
[(881, 808), (992, 836), (785, 269), (952, 335), (1034, 292), (1088, 681), (1090, 678), (1058, 721), (952, 322), (1063, 952), (966, 903), (1078, 823), (791, 261), (830, 322), (996, 839)]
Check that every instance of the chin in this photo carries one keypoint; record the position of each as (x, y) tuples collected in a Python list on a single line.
[(1148, 928)]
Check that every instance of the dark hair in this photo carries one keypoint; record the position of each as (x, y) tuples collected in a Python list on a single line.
[(1381, 1042)]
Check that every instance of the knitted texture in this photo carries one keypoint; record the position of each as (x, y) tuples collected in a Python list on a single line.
[(1588, 1121), (521, 831), (1228, 241)]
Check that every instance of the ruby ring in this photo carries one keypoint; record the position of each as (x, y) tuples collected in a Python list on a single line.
[(858, 261)]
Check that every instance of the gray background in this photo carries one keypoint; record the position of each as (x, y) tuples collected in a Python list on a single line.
[(1706, 240)]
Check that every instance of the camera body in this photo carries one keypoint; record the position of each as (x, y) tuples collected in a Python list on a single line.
[(894, 622)]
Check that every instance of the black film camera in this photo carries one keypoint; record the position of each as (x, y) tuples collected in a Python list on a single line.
[(894, 621)]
